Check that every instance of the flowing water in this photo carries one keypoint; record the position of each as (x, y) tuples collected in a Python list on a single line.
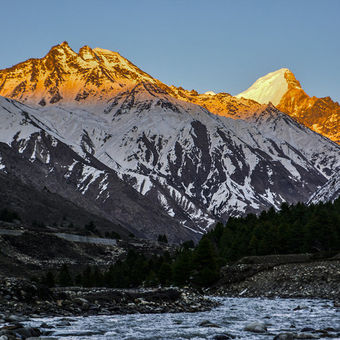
[(231, 317)]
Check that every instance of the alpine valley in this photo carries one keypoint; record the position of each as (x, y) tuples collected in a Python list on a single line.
[(91, 134)]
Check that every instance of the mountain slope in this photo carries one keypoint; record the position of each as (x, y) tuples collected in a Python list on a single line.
[(330, 191), (198, 166), (31, 152), (284, 91)]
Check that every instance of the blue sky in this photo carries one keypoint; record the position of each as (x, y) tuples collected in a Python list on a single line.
[(203, 45)]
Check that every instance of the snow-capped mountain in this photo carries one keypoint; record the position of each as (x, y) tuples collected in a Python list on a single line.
[(131, 133), (330, 191), (283, 90), (198, 166)]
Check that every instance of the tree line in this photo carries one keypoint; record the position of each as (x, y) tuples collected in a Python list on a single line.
[(197, 266), (293, 229)]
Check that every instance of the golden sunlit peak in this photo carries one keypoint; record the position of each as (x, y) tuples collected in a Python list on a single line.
[(64, 44), (86, 53)]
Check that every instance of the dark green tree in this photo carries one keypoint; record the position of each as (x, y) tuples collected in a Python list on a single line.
[(205, 263), (48, 279), (64, 277), (165, 273)]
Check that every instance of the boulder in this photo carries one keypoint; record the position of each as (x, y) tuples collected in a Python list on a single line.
[(207, 323), (306, 336), (256, 327)]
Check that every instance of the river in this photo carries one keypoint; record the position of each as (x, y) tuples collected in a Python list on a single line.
[(279, 315)]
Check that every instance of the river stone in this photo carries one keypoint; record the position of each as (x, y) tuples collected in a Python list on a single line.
[(207, 323), (63, 323), (15, 318), (256, 327), (45, 325), (284, 336), (27, 332), (306, 336), (307, 329), (42, 338), (80, 301)]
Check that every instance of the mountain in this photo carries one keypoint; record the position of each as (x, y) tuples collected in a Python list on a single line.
[(151, 157), (198, 166), (44, 179), (330, 191), (283, 90)]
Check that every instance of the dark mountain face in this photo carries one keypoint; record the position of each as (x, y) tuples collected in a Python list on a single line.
[(50, 175)]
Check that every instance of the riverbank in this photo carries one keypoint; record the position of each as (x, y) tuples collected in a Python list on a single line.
[(285, 276), (24, 299)]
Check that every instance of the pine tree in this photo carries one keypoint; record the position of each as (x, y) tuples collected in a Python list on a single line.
[(64, 277), (48, 280), (182, 267), (165, 273), (205, 263)]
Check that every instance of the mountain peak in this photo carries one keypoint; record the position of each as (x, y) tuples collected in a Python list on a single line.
[(271, 87), (63, 47), (86, 53)]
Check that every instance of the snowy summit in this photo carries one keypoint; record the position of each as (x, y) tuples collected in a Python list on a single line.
[(269, 88)]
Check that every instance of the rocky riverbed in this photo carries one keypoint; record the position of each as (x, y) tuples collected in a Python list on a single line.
[(233, 318), (24, 298)]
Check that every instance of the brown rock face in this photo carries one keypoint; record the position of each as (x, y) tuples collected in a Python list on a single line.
[(320, 114)]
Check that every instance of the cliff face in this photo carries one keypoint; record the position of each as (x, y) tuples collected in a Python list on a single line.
[(320, 114)]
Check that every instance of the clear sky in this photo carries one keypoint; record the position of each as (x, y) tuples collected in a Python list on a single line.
[(218, 45)]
